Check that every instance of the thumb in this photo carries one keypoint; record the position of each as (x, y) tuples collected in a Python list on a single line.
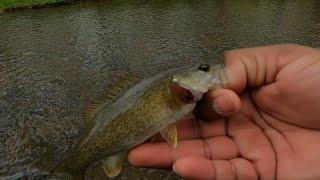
[(221, 102), (254, 67), (246, 68)]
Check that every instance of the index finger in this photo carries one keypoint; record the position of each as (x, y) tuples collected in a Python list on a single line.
[(162, 155)]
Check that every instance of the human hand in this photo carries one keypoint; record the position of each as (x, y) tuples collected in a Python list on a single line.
[(270, 127)]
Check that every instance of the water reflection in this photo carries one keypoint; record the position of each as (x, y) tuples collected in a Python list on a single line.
[(54, 61)]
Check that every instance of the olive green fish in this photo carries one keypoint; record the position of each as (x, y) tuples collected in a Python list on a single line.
[(135, 111)]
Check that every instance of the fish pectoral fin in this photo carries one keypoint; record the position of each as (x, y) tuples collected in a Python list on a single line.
[(112, 165), (170, 134)]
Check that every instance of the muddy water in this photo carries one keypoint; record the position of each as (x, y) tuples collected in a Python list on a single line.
[(53, 61)]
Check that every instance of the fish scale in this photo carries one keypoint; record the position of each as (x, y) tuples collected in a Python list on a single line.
[(137, 110)]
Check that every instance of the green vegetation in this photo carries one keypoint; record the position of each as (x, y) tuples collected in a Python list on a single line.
[(12, 4)]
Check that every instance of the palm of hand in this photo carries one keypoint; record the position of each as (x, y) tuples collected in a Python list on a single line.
[(243, 146), (270, 137)]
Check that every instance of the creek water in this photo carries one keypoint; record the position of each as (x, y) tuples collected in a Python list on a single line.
[(53, 61)]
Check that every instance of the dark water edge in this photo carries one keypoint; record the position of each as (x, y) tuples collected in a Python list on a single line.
[(41, 5), (54, 61)]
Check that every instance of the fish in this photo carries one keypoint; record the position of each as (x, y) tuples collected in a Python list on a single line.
[(135, 110)]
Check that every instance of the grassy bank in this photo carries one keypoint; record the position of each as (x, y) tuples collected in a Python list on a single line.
[(14, 4)]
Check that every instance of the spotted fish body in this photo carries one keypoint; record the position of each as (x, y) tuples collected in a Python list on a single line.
[(140, 111)]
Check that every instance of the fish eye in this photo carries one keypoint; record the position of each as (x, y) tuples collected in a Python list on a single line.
[(204, 67)]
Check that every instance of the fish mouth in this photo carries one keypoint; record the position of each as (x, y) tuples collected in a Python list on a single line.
[(186, 95)]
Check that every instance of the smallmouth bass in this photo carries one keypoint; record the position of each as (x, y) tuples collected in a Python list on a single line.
[(134, 111)]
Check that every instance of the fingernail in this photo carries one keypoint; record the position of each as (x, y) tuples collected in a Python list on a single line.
[(174, 168), (219, 105)]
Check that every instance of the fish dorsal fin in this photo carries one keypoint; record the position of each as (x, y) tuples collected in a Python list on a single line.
[(89, 113), (120, 83)]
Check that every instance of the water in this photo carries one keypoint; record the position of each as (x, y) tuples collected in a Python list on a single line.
[(54, 61)]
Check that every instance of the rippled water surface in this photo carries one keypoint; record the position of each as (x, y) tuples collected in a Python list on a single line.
[(53, 61)]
